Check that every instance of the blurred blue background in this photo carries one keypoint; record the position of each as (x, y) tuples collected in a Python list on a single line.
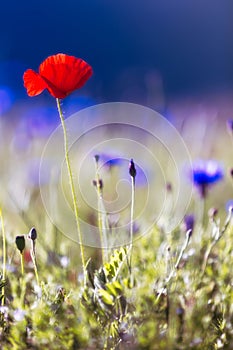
[(185, 46)]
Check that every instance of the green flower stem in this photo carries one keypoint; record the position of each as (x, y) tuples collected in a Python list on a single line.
[(101, 224), (4, 254), (22, 282), (22, 263), (131, 221), (36, 273), (33, 256), (200, 214), (72, 187), (99, 194)]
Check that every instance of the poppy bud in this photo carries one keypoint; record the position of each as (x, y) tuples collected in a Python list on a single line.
[(20, 243), (132, 169), (32, 234)]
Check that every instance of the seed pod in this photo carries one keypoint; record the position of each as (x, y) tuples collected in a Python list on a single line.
[(20, 243)]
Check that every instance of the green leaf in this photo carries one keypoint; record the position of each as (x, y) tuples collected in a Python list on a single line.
[(114, 330), (114, 288), (106, 297), (110, 269), (117, 286), (3, 283)]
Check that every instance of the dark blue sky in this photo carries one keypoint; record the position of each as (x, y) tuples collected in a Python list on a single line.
[(189, 42)]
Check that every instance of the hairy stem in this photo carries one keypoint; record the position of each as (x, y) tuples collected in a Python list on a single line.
[(72, 187)]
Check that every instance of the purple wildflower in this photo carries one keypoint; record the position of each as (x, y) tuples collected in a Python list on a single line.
[(110, 161), (206, 173), (229, 205), (189, 222), (230, 126), (19, 315)]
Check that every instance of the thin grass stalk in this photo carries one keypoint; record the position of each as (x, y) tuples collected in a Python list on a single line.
[(218, 235), (98, 183), (176, 266)]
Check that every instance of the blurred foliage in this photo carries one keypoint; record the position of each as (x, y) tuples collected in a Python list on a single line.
[(191, 310)]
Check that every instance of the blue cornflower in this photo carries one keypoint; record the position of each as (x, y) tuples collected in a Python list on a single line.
[(206, 173), (109, 161), (229, 205), (230, 126), (189, 222)]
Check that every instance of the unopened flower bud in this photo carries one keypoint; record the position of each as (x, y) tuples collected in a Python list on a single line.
[(20, 243), (132, 169), (32, 234), (212, 212), (97, 157)]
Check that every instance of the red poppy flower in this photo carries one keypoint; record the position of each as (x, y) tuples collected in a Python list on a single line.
[(60, 74)]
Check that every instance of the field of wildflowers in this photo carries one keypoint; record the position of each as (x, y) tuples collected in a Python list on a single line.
[(135, 251)]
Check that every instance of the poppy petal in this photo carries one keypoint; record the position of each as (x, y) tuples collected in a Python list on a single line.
[(64, 74), (85, 73), (33, 83)]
